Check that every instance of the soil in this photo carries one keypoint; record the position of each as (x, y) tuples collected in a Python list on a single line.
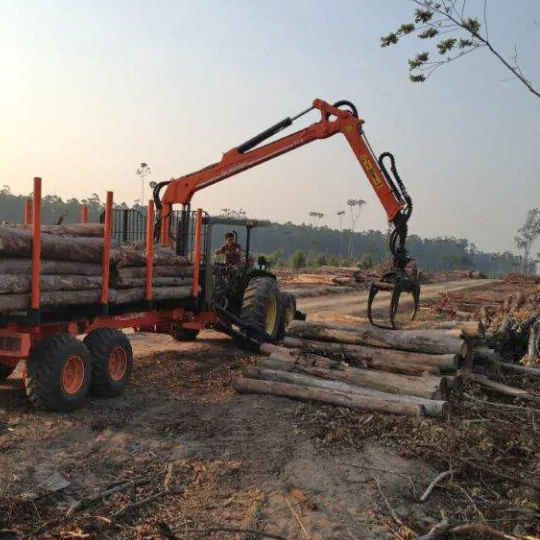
[(218, 460)]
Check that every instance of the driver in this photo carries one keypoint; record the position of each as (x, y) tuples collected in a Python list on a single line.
[(231, 250)]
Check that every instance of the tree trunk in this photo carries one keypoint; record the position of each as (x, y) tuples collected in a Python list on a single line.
[(379, 358), (127, 296), (427, 386), (18, 243), (427, 341), (504, 389), (127, 255), (133, 283), (52, 299), (68, 229), (179, 270), (327, 396), (24, 267), (431, 407), (16, 284)]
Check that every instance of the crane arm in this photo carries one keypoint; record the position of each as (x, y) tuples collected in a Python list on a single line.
[(333, 120)]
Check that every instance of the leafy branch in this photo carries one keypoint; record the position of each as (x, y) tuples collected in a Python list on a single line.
[(456, 34)]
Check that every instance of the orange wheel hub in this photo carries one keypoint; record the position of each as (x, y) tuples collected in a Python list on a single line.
[(117, 363), (73, 374)]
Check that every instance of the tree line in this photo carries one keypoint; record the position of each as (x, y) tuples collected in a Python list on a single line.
[(289, 244)]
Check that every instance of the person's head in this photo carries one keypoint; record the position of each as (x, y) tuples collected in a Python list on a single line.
[(229, 238)]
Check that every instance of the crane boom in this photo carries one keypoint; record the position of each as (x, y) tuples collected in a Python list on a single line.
[(334, 119)]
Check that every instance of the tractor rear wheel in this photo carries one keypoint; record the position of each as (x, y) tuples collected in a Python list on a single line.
[(260, 305), (59, 373), (287, 311), (112, 361), (5, 371)]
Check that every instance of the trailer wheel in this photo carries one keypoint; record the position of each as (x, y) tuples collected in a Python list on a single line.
[(112, 361), (5, 371), (185, 334), (59, 373), (287, 311), (260, 305)]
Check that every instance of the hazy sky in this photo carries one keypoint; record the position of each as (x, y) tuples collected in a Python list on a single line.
[(88, 89)]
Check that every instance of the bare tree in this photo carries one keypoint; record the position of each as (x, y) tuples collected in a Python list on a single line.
[(457, 35), (355, 205), (526, 236), (143, 171)]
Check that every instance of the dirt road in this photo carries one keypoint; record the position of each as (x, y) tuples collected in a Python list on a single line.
[(324, 307)]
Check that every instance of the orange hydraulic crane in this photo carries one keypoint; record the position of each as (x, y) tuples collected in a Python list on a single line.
[(341, 117)]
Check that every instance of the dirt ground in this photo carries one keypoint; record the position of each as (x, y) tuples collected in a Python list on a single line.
[(200, 461)]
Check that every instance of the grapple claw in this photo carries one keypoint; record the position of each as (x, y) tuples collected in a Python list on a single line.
[(397, 281)]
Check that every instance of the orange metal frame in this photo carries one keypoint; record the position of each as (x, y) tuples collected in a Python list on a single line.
[(181, 190)]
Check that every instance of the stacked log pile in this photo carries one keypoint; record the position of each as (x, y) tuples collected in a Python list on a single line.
[(403, 371), (71, 268)]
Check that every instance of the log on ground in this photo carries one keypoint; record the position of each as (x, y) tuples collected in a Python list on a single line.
[(378, 358), (426, 341), (254, 386), (431, 407), (427, 386)]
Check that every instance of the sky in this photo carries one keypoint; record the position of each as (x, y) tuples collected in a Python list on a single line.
[(89, 89)]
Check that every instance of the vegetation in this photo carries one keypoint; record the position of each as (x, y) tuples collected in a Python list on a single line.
[(456, 34)]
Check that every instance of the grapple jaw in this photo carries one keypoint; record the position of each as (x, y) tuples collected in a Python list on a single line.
[(402, 278)]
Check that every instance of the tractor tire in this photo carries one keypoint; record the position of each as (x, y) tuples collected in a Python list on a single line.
[(260, 305), (5, 371), (287, 311), (185, 334), (112, 361), (58, 374)]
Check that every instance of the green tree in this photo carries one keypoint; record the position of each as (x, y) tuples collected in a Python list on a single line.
[(298, 260), (456, 34)]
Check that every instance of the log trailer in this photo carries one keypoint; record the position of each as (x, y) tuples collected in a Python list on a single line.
[(245, 302)]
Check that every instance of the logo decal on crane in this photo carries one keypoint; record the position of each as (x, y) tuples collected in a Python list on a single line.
[(374, 178)]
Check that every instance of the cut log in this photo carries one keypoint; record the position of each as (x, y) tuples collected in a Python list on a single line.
[(427, 341), (269, 348), (49, 300), (180, 270), (323, 395), (127, 296), (468, 328), (16, 284), (24, 267), (18, 243), (68, 229), (378, 358), (432, 407), (127, 255), (427, 386), (134, 283), (504, 389)]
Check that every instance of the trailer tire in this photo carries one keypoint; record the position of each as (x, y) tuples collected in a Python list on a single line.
[(59, 374), (260, 305), (287, 311), (185, 334), (112, 361), (6, 371)]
